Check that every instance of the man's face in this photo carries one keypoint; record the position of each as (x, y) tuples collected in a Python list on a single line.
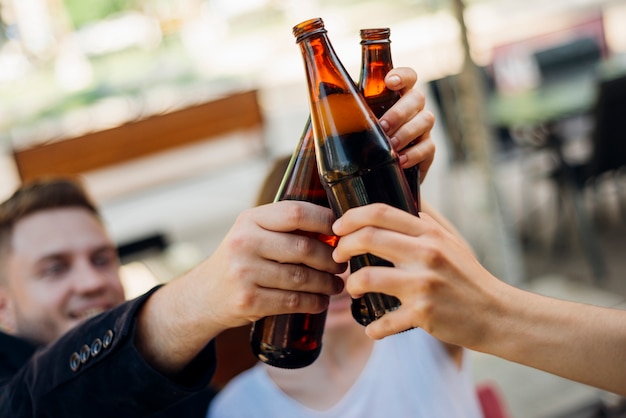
[(62, 268)]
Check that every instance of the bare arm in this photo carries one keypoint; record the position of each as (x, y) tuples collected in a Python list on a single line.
[(445, 291), (577, 341)]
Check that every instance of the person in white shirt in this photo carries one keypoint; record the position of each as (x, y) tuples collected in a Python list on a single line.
[(410, 374)]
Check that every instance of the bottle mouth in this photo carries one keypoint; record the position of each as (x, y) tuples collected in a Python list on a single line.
[(375, 35), (308, 28)]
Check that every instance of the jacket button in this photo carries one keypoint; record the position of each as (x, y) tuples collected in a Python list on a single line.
[(96, 347), (107, 339), (74, 361), (84, 353)]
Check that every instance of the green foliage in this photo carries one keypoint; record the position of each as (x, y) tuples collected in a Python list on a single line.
[(86, 11)]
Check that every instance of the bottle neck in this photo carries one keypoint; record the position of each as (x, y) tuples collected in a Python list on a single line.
[(375, 58), (376, 63), (325, 73)]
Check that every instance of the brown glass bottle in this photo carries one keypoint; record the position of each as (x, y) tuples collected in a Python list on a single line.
[(376, 62), (356, 162), (295, 340)]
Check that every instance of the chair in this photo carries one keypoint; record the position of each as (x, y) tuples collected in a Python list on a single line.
[(608, 138), (609, 153), (606, 160), (492, 402), (570, 58)]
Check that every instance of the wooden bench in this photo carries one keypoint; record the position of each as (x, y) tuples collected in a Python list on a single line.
[(136, 139)]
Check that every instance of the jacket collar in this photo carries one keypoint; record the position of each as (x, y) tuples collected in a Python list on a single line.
[(14, 353)]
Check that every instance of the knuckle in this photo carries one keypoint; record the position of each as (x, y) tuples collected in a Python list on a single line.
[(430, 147), (293, 300), (299, 276), (240, 270), (295, 213), (426, 311), (420, 96), (237, 241), (239, 237), (369, 235), (303, 245), (380, 210), (424, 150), (365, 277), (245, 216), (432, 256), (245, 300), (432, 286), (429, 117)]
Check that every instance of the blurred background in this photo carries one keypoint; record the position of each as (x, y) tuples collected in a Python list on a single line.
[(173, 111)]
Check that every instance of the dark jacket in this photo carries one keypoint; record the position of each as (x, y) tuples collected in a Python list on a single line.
[(95, 371)]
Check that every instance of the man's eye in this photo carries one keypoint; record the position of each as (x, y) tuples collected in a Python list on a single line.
[(104, 260), (54, 269)]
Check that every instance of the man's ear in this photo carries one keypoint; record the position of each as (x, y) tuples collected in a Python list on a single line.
[(7, 316)]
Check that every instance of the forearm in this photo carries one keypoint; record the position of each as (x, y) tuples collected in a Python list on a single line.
[(170, 334), (576, 341)]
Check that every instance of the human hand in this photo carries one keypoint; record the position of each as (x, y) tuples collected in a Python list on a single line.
[(442, 287), (262, 268), (408, 121)]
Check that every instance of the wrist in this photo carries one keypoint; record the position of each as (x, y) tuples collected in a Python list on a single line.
[(501, 318), (526, 322), (169, 333)]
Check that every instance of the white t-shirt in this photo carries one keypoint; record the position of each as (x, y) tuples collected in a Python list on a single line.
[(407, 375)]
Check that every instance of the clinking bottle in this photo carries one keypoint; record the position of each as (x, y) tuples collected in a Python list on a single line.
[(376, 62), (355, 160), (295, 340)]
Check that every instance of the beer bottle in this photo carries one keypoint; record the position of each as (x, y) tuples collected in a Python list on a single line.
[(295, 340), (376, 62), (356, 162)]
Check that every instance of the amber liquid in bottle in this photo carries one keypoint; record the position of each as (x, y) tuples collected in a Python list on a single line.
[(376, 62), (356, 162), (295, 340)]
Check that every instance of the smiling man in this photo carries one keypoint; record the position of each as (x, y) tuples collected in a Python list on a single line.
[(62, 267), (71, 345)]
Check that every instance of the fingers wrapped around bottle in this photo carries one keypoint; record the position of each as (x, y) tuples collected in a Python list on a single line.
[(270, 264), (442, 287), (408, 123)]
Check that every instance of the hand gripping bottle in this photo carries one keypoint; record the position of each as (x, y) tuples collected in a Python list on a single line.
[(376, 62), (295, 340)]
